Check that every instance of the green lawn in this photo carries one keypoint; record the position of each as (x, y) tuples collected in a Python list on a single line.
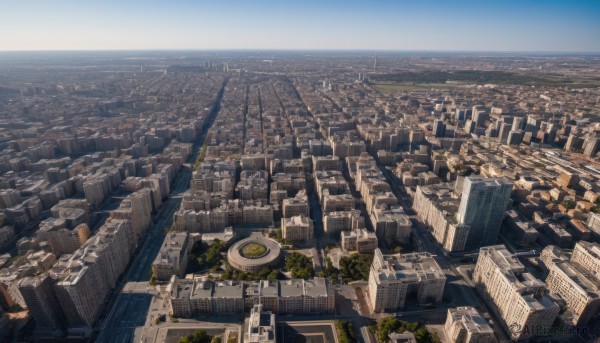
[(253, 250)]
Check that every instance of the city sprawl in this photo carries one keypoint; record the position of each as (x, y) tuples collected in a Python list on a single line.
[(271, 196)]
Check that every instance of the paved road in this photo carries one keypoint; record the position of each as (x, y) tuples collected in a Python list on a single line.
[(129, 310)]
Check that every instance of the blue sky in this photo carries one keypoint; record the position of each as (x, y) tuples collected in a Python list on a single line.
[(484, 25)]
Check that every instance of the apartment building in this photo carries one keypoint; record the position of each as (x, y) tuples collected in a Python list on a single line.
[(577, 288), (199, 296), (359, 240), (393, 277), (391, 224), (466, 325), (518, 298), (297, 229), (172, 258), (337, 221), (261, 326)]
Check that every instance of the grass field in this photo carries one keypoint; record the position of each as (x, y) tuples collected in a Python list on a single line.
[(392, 87), (253, 250)]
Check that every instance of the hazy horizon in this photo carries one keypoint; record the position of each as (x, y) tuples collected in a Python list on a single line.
[(433, 25)]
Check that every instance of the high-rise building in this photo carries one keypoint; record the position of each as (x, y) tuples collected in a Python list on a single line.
[(577, 288), (482, 208), (517, 124), (436, 204), (7, 233), (9, 198), (173, 256), (40, 300), (514, 137), (573, 143), (392, 277), (439, 128), (479, 117), (587, 255), (591, 146), (62, 240), (517, 297)]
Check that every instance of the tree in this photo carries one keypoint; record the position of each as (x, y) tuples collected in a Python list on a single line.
[(422, 335), (385, 327), (199, 336), (355, 267), (345, 331), (299, 265), (389, 325), (569, 204)]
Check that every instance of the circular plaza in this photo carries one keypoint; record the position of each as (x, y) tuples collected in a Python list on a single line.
[(253, 254)]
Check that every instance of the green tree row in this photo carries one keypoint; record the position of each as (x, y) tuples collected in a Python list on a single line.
[(201, 157), (345, 331), (263, 274), (199, 336)]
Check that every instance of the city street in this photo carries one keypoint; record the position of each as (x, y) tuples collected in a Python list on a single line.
[(129, 310)]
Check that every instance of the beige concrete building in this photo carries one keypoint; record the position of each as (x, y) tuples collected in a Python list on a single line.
[(172, 258), (391, 224), (359, 240), (297, 229), (577, 288), (392, 277), (337, 221), (552, 254), (261, 326), (7, 233), (517, 297), (62, 240), (587, 255), (136, 207), (9, 198), (593, 223), (466, 325), (296, 206), (437, 206), (198, 296), (253, 264), (257, 214), (324, 163), (253, 185), (339, 202), (406, 337), (40, 300)]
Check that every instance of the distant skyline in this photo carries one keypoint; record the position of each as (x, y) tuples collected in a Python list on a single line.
[(524, 25)]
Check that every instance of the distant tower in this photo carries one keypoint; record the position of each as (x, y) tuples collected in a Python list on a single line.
[(375, 63)]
